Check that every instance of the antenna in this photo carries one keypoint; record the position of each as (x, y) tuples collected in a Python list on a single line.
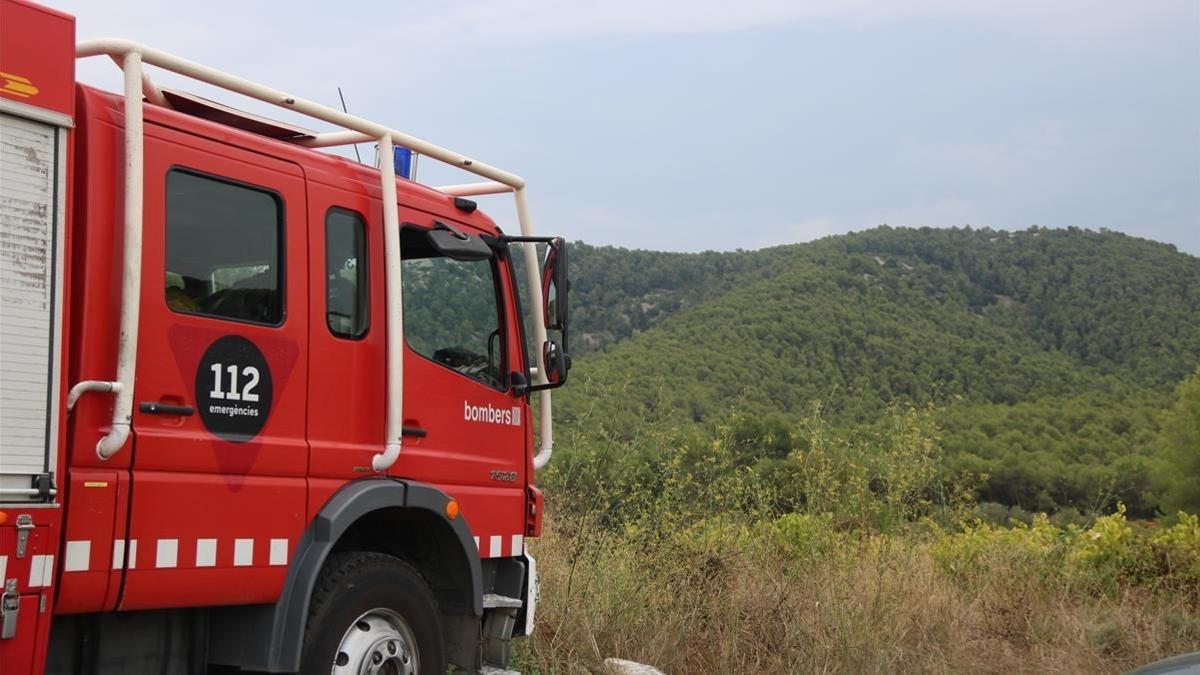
[(343, 99)]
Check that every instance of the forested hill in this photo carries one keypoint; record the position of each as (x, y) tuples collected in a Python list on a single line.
[(1048, 352), (1076, 290)]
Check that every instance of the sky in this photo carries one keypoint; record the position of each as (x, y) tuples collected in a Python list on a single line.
[(711, 124)]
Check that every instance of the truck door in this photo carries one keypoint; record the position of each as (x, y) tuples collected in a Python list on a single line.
[(347, 352), (468, 429), (462, 345), (218, 487)]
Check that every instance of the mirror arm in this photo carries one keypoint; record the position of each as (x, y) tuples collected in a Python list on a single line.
[(518, 383), (548, 385)]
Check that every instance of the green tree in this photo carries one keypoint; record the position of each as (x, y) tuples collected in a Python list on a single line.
[(1181, 447), (1048, 356)]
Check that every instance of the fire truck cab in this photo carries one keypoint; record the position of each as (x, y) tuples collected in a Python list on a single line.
[(262, 407)]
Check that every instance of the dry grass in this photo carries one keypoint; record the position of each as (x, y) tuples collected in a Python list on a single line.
[(724, 599), (861, 558)]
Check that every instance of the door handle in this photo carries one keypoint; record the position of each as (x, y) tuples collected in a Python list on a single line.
[(155, 408), (417, 432)]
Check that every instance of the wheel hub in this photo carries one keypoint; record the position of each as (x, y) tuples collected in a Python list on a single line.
[(377, 643)]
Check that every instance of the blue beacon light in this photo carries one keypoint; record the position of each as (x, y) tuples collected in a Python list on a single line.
[(403, 161)]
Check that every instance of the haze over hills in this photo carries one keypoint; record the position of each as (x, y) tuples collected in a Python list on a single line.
[(1047, 353)]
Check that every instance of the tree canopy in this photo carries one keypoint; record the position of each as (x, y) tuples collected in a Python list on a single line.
[(1049, 354)]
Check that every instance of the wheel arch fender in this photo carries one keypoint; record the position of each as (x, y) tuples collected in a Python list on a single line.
[(286, 619)]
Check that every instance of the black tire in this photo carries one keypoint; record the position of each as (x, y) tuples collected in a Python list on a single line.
[(354, 584)]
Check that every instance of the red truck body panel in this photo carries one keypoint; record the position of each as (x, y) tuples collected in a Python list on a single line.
[(37, 56), (181, 517), (327, 415), (37, 73)]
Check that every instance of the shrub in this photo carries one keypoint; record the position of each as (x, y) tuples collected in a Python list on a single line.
[(1177, 552), (983, 553)]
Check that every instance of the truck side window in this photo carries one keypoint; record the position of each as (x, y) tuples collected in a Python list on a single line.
[(345, 273), (451, 311), (223, 243)]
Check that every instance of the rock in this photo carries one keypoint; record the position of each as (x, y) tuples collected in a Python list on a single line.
[(623, 667)]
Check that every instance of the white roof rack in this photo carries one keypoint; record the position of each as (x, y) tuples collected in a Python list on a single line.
[(130, 56)]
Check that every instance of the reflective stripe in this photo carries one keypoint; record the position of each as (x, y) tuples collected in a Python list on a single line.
[(243, 552), (206, 552), (77, 556), (41, 570), (279, 552), (500, 545), (168, 553)]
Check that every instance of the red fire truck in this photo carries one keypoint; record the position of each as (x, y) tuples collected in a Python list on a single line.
[(261, 406)]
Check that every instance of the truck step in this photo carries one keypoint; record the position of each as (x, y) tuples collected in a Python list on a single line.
[(493, 601)]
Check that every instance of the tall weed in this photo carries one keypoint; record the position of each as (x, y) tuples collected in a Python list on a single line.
[(751, 549)]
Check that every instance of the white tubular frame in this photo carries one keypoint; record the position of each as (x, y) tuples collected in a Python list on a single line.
[(131, 279), (85, 386), (472, 189), (395, 317), (130, 56)]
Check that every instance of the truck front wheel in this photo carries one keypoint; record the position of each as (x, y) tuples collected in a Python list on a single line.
[(372, 613)]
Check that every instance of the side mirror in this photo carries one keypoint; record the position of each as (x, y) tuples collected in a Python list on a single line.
[(557, 364), (555, 285)]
